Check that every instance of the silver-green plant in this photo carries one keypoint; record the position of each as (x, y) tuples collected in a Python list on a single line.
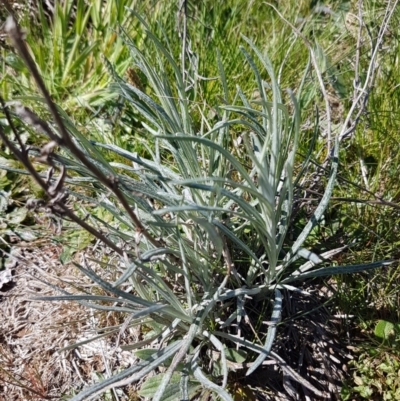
[(182, 216)]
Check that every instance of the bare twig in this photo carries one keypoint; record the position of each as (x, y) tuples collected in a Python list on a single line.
[(55, 192), (358, 48), (21, 155), (360, 98), (361, 94), (182, 15)]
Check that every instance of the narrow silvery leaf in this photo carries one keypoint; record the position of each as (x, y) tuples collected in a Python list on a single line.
[(311, 256), (220, 347), (236, 240), (126, 274), (240, 291), (241, 341), (81, 298), (330, 271), (320, 208), (107, 286), (211, 144), (326, 255), (185, 345), (201, 377), (87, 341), (230, 319), (289, 288), (153, 254), (131, 374), (275, 319), (184, 385), (214, 236)]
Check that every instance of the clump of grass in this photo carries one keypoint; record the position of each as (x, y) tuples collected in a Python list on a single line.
[(67, 48)]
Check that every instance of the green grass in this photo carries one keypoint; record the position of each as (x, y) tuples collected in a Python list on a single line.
[(70, 59)]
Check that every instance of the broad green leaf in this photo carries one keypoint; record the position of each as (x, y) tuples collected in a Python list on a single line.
[(172, 392), (237, 356), (384, 330)]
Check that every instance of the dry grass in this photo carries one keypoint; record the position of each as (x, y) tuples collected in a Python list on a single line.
[(32, 333)]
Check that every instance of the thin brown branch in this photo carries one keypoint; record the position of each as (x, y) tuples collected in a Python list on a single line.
[(182, 15), (358, 49), (111, 182), (12, 126), (22, 156)]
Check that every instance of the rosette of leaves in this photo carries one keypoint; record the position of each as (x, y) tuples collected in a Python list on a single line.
[(182, 218)]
